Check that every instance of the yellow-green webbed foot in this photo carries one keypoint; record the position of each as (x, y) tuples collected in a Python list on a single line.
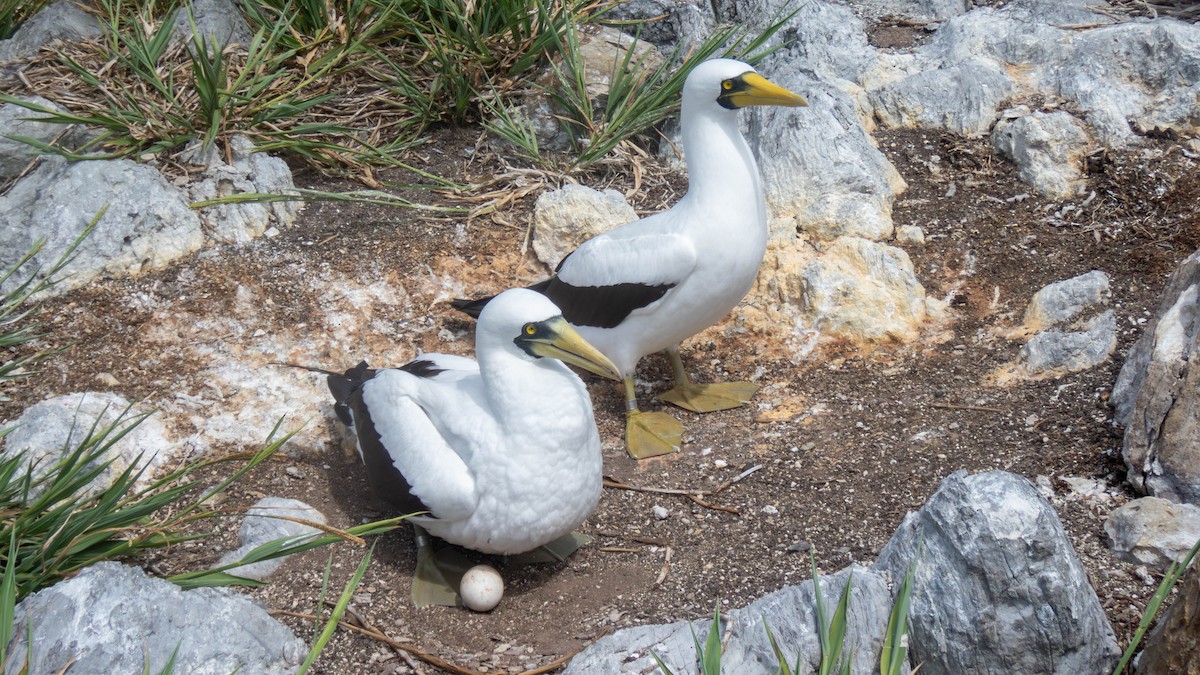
[(439, 572), (702, 398), (649, 434), (555, 551)]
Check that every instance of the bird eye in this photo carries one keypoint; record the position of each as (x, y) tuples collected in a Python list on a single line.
[(530, 328), (727, 85)]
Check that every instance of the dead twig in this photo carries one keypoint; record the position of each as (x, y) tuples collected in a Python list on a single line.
[(666, 567), (694, 495), (977, 408)]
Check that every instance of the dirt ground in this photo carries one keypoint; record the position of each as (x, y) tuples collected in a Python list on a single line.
[(853, 437)]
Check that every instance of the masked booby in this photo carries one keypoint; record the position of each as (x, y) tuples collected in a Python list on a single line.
[(650, 284), (502, 453)]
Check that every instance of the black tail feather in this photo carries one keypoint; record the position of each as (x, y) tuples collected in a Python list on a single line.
[(471, 308), (343, 387)]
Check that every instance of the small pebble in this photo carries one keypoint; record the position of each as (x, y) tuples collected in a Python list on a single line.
[(720, 463), (808, 446), (799, 547), (770, 510), (294, 473), (660, 513)]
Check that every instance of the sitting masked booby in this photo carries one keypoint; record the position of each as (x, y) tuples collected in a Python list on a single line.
[(650, 284), (502, 453)]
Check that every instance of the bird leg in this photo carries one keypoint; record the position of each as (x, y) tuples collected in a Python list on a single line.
[(703, 398), (439, 572), (649, 434)]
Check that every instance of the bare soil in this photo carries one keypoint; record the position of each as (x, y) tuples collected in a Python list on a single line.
[(849, 439)]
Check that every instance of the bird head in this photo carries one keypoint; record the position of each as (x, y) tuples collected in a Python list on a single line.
[(536, 327), (734, 85)]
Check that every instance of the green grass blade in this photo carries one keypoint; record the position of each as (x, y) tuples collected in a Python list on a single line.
[(338, 610), (784, 667)]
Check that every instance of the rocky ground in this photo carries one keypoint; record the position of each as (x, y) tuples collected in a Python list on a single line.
[(848, 437)]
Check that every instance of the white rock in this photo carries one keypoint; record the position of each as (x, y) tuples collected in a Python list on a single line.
[(18, 120), (863, 290), (565, 218), (264, 522), (146, 225), (910, 235), (1062, 301), (962, 97), (1055, 352), (62, 20), (1153, 531), (250, 172), (660, 512), (50, 429), (1048, 149)]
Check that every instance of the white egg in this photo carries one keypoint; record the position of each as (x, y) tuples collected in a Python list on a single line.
[(481, 588)]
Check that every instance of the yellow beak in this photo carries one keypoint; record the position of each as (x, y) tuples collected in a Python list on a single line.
[(560, 341), (758, 90)]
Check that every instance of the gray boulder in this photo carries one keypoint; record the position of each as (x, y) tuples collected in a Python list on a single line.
[(998, 587), (146, 225), (265, 522), (248, 172), (63, 20), (791, 613), (112, 618), (219, 22), (1152, 531), (1063, 301), (16, 120), (1057, 352), (962, 97), (821, 172), (1157, 394), (1048, 149), (51, 429)]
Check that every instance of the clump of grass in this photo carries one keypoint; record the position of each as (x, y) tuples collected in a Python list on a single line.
[(13, 13)]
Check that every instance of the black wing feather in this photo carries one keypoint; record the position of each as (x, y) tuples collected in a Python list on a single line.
[(599, 306), (388, 484)]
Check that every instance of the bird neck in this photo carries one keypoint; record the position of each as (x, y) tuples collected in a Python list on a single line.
[(722, 173), (528, 395)]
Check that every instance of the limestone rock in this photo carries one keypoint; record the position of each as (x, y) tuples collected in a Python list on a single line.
[(264, 522), (1157, 394), (1062, 301), (961, 97), (1052, 353), (146, 225), (1048, 149), (219, 22), (1174, 644), (862, 290), (250, 172), (62, 20), (16, 120), (910, 235), (998, 587), (1152, 531), (565, 218), (791, 613), (112, 618), (50, 429)]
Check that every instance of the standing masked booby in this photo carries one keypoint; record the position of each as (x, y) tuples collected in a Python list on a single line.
[(502, 453), (650, 284)]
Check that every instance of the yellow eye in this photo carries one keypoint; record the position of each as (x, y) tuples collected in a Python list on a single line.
[(727, 85), (530, 329)]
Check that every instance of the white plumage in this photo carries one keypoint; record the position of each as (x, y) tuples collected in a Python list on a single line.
[(648, 285), (503, 453)]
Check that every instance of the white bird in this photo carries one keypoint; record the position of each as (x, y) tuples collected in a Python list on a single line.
[(650, 284), (503, 454)]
